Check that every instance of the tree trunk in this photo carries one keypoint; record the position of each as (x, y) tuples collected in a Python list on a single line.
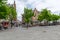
[(11, 23), (46, 22), (55, 22), (26, 25), (40, 23)]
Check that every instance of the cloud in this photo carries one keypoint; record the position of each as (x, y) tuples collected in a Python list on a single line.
[(10, 1), (20, 7)]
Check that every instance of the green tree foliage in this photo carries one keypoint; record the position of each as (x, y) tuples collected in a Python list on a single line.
[(45, 14), (28, 13), (3, 9), (3, 1), (13, 12), (55, 17), (40, 17), (6, 10)]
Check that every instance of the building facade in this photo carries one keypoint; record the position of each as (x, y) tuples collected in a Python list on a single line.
[(36, 13)]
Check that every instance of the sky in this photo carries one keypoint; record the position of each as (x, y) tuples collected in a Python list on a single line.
[(53, 5)]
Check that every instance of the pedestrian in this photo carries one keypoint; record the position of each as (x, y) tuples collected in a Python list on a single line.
[(5, 25), (0, 26)]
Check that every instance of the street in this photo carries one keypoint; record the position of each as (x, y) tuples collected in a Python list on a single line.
[(32, 33)]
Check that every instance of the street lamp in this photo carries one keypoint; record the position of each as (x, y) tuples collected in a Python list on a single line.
[(10, 16), (11, 20)]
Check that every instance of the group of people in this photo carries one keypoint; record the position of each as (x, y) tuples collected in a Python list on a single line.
[(5, 25)]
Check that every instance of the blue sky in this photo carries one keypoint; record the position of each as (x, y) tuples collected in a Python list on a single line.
[(53, 5)]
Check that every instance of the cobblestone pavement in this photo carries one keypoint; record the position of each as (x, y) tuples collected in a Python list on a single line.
[(32, 33)]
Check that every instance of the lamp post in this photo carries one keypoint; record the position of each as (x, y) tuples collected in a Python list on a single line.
[(11, 20), (10, 16)]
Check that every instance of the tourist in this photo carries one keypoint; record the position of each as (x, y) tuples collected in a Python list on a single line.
[(0, 26)]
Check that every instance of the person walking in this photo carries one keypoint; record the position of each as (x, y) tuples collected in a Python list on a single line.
[(0, 26)]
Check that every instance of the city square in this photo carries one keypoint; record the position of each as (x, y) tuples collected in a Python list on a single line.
[(32, 33), (29, 19)]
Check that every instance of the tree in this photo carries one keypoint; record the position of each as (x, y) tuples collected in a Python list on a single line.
[(28, 13), (3, 9), (13, 13), (45, 16), (55, 17), (46, 13), (40, 17)]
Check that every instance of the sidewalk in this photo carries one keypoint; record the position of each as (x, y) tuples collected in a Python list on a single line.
[(32, 33)]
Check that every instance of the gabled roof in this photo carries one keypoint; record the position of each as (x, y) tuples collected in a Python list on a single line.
[(35, 10)]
